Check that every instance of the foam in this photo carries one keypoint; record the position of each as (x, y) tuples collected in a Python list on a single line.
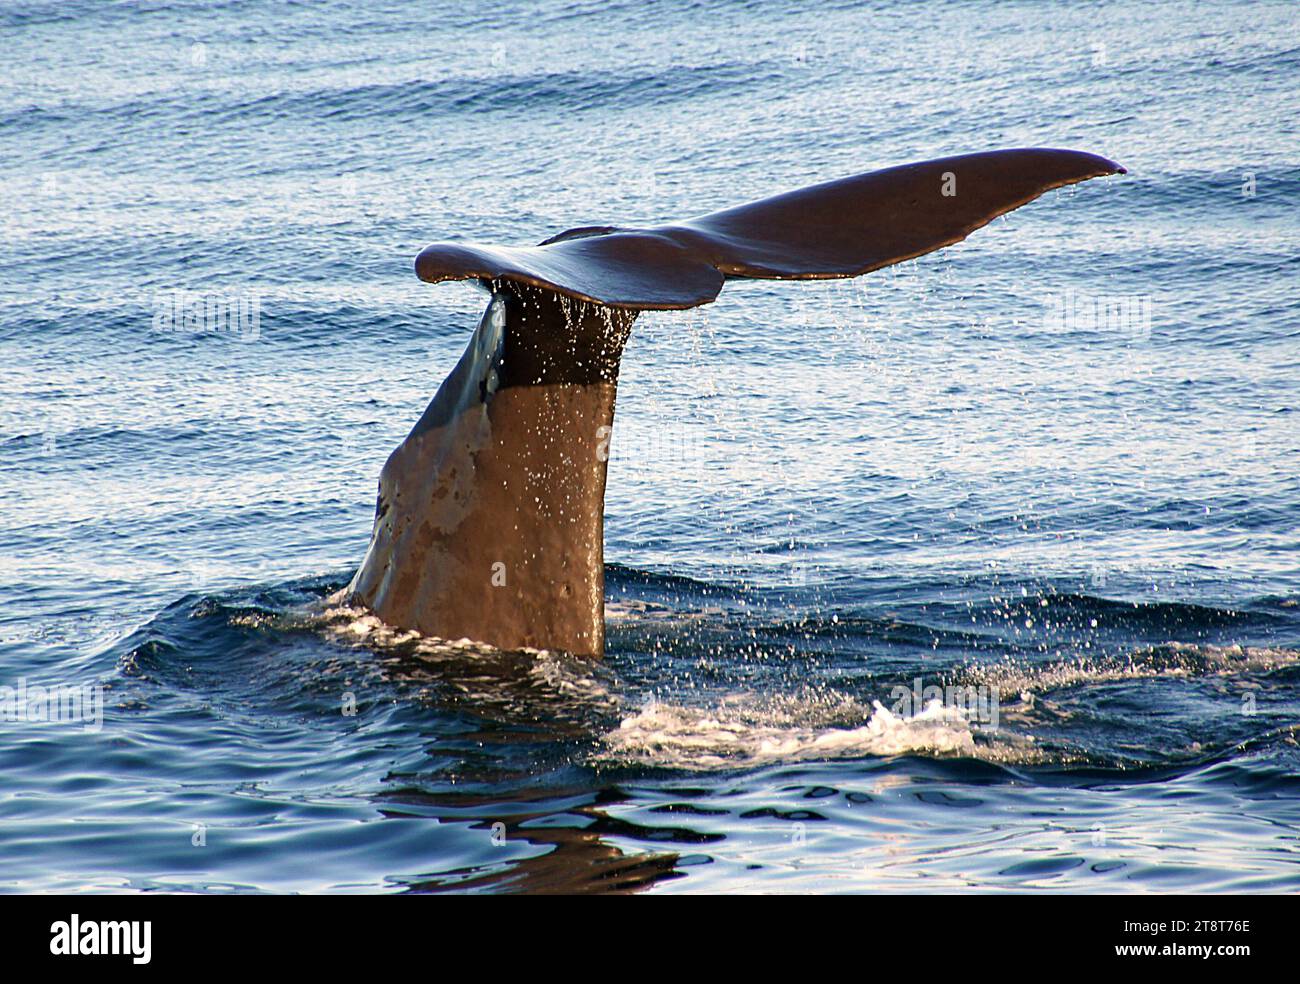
[(482, 673), (746, 731)]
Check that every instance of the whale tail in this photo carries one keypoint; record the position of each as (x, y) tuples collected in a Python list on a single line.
[(490, 518), (837, 229)]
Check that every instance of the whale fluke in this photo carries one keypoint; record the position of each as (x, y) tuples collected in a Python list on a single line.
[(490, 519), (840, 228)]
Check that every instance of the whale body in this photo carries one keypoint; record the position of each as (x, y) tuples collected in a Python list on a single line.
[(489, 524)]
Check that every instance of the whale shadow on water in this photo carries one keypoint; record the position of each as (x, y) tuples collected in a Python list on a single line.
[(489, 523)]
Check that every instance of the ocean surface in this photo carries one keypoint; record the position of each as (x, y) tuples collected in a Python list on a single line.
[(978, 573)]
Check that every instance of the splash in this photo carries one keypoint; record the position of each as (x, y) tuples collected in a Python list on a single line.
[(351, 625), (745, 731), (520, 682)]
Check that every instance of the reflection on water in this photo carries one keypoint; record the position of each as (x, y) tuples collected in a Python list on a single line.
[(542, 850)]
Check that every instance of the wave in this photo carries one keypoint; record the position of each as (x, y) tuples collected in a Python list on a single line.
[(710, 699), (1171, 660), (491, 93)]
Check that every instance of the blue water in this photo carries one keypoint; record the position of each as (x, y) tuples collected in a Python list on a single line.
[(819, 492)]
